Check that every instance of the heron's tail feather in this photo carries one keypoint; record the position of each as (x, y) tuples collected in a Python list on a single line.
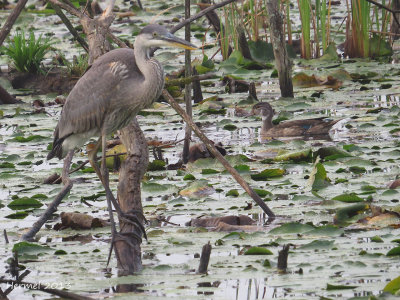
[(57, 149)]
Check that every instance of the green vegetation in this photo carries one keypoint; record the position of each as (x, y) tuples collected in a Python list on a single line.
[(27, 54)]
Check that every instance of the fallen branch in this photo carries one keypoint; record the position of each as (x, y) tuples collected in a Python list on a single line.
[(200, 14), (11, 20), (53, 205), (211, 147), (71, 28)]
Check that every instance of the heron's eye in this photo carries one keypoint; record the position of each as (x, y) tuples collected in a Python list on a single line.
[(154, 34)]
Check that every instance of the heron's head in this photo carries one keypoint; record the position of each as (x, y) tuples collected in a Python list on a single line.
[(263, 109), (154, 35)]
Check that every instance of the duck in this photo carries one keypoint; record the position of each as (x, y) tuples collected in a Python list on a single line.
[(305, 127)]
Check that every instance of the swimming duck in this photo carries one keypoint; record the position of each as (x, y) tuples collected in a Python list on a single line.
[(305, 127)]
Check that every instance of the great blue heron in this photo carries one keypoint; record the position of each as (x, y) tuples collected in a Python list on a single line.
[(109, 95)]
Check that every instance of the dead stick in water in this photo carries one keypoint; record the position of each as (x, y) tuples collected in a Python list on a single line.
[(204, 258), (210, 146)]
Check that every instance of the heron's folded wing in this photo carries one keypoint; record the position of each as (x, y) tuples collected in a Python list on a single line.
[(89, 100)]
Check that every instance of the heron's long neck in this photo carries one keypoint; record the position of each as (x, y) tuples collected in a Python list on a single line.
[(152, 72), (267, 122)]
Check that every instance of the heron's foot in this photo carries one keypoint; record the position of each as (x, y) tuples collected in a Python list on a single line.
[(132, 217)]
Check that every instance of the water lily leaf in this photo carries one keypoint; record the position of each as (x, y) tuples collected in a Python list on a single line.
[(330, 53), (376, 239), (156, 165), (258, 251), (331, 153), (209, 171), (7, 165), (326, 230), (189, 177), (207, 65), (261, 51), (30, 138), (262, 193), (331, 287), (242, 168), (318, 177), (18, 215), (393, 286), (393, 252), (292, 227), (304, 155), (235, 236), (267, 174), (348, 198), (349, 214), (318, 244), (197, 189), (31, 248), (24, 203), (155, 187), (179, 242), (233, 193), (379, 47)]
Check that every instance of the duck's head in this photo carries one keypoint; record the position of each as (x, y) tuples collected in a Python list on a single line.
[(263, 109)]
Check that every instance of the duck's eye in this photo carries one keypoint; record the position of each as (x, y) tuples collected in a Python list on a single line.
[(154, 34)]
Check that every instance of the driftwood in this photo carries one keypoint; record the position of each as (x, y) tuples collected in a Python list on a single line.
[(211, 147), (52, 208), (282, 60)]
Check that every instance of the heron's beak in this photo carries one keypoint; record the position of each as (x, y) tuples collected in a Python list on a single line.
[(174, 41)]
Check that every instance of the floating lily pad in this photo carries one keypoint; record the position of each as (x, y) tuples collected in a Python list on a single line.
[(24, 203), (258, 251), (292, 227), (267, 174), (393, 286), (331, 287), (348, 198), (30, 248)]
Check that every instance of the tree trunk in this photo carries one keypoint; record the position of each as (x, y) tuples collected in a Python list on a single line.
[(129, 195), (282, 61), (395, 27)]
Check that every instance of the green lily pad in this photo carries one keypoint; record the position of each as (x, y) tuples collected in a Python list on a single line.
[(24, 203), (348, 198), (267, 174), (350, 214), (258, 251), (393, 252), (318, 244), (292, 227), (30, 248), (393, 286)]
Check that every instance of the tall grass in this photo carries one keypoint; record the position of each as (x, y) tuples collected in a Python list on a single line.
[(361, 24), (27, 53), (305, 17)]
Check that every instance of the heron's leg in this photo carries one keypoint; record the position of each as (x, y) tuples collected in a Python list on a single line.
[(127, 217)]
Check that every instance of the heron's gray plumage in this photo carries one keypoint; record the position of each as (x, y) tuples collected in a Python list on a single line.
[(117, 86)]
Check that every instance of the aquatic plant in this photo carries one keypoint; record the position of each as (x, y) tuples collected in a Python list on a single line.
[(27, 53)]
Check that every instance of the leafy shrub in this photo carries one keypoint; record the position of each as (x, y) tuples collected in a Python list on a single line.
[(27, 53)]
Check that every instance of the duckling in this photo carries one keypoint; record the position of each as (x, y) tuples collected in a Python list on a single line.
[(305, 127)]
